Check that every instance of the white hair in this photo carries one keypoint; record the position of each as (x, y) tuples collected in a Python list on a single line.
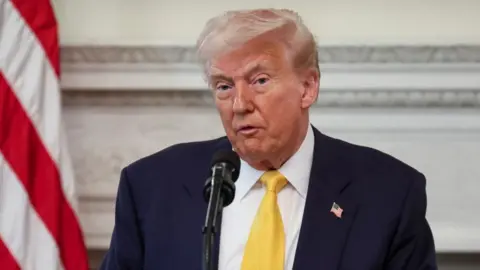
[(234, 28)]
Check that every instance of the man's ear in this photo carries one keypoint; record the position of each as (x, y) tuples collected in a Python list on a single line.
[(311, 83)]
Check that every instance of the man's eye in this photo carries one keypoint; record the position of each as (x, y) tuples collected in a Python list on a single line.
[(223, 87), (262, 80)]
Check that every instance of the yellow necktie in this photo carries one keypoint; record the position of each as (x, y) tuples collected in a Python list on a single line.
[(265, 249)]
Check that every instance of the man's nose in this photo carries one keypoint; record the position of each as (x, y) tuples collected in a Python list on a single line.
[(242, 102)]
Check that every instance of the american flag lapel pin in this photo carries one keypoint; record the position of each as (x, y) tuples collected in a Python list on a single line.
[(336, 210)]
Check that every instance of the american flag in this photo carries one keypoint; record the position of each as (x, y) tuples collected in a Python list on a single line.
[(336, 210), (39, 226)]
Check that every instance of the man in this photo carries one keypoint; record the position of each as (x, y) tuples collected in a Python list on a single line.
[(303, 200)]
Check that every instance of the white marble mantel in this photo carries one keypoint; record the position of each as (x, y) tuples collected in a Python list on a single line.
[(421, 105)]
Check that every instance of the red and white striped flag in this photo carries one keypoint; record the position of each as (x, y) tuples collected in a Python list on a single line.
[(39, 227)]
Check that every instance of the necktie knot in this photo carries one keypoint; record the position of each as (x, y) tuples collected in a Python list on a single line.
[(273, 180)]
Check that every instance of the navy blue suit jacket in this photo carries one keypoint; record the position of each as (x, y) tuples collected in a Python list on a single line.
[(160, 211)]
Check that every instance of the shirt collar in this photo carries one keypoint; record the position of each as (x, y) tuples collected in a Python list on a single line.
[(296, 169)]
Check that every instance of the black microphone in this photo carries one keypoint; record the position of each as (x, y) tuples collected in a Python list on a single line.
[(219, 192)]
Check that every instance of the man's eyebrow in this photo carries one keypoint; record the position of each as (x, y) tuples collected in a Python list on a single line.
[(253, 68), (219, 77)]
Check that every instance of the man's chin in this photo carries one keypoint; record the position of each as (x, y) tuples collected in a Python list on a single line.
[(251, 150)]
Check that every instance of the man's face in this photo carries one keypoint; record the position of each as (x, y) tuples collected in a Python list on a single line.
[(260, 98)]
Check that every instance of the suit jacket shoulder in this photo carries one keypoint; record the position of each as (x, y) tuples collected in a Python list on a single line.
[(185, 153), (160, 175), (374, 166)]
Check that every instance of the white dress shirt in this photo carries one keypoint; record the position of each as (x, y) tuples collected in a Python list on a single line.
[(239, 215)]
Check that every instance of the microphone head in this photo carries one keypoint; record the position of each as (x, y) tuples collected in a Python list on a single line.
[(228, 188), (230, 157)]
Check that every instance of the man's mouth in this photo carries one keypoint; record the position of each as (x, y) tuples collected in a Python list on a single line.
[(247, 130)]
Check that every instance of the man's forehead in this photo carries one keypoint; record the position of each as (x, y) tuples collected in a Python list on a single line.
[(257, 58), (245, 65)]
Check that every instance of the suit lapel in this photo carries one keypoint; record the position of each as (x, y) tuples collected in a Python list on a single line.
[(323, 235)]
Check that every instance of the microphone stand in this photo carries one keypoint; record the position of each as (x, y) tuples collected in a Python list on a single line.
[(215, 206)]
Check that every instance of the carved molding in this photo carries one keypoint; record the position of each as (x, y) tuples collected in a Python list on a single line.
[(327, 54), (359, 77), (327, 98)]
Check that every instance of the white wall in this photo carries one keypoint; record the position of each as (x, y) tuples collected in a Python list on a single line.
[(335, 22)]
